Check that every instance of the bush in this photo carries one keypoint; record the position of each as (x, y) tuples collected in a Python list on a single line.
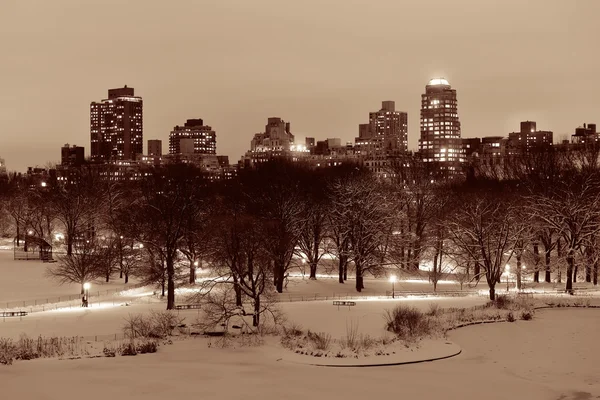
[(407, 322), (322, 341), (510, 317), (503, 302), (128, 349), (434, 310), (149, 346), (7, 351), (526, 316), (109, 352), (156, 325)]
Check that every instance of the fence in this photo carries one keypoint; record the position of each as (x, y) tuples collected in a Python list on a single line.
[(38, 304)]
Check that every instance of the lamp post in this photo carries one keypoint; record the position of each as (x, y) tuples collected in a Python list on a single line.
[(86, 288), (507, 270), (393, 280)]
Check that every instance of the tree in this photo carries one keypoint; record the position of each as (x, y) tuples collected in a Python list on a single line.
[(167, 198), (573, 211), (76, 206), (363, 212), (313, 215), (485, 229), (273, 194), (79, 267)]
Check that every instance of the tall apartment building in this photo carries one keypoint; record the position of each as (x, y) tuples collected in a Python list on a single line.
[(386, 132), (440, 141), (155, 147), (116, 126), (529, 138), (193, 138), (277, 137), (72, 155)]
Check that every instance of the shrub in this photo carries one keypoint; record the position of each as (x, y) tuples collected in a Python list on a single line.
[(156, 325), (322, 341), (434, 310), (503, 302), (526, 316), (128, 349), (7, 351), (407, 322), (510, 317), (149, 346), (109, 352)]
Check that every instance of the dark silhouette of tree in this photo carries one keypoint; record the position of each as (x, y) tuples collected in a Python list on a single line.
[(81, 266)]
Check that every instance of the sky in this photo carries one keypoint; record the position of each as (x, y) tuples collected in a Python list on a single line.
[(322, 65)]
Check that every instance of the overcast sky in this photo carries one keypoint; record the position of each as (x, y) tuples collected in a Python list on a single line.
[(323, 65)]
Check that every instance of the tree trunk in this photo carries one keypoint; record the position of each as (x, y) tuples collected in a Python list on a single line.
[(238, 291), (588, 273), (492, 293), (82, 290), (570, 256), (256, 315), (477, 271), (107, 276), (536, 257), (126, 277), (313, 270), (170, 282), (279, 277), (575, 270), (69, 245), (595, 274), (359, 277), (341, 263), (548, 278), (192, 273), (559, 252), (163, 288), (518, 273)]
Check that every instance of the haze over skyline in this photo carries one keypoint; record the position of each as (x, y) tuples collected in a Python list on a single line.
[(322, 65)]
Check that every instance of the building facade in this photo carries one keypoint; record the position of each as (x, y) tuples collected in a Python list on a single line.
[(585, 134), (193, 138), (155, 147), (386, 132), (116, 126), (529, 138), (440, 141), (72, 155)]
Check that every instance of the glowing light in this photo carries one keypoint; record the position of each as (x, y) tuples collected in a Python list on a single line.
[(195, 263), (59, 236), (507, 268), (87, 286), (438, 81), (30, 232), (393, 278), (44, 184)]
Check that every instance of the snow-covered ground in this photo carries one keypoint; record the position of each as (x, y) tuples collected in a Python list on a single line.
[(26, 283), (552, 357)]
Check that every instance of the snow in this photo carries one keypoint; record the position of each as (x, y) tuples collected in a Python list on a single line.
[(368, 315), (551, 357), (26, 282)]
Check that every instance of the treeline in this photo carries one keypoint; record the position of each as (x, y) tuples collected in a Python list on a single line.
[(539, 213)]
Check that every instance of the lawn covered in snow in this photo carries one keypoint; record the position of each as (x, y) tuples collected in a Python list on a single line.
[(26, 281), (552, 357)]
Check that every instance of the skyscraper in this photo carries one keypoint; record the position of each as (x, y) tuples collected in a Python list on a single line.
[(116, 126), (193, 138), (155, 147), (386, 132), (529, 138), (440, 142)]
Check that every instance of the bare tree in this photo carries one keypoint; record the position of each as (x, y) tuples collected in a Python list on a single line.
[(573, 211), (485, 229), (79, 267), (363, 211)]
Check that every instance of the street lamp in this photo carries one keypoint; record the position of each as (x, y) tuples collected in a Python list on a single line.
[(507, 270), (393, 280), (86, 287)]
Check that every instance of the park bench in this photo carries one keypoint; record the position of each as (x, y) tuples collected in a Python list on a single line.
[(348, 304), (188, 306), (8, 314)]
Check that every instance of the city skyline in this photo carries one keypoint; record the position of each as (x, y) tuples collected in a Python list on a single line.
[(45, 100)]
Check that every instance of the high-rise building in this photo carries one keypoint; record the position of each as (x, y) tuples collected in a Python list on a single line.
[(276, 138), (529, 138), (155, 147), (72, 155), (193, 138), (116, 126), (387, 131), (440, 141)]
